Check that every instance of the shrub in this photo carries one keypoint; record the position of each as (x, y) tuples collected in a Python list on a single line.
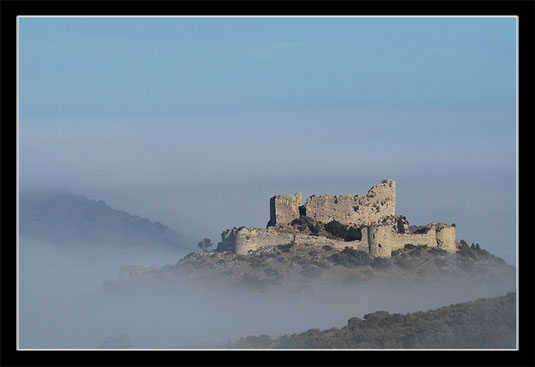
[(395, 253), (376, 315), (285, 247), (466, 251), (313, 253), (400, 226), (336, 229), (326, 248), (353, 234), (315, 229), (436, 251), (204, 244), (255, 342), (340, 230), (349, 257), (409, 246), (302, 220), (417, 250)]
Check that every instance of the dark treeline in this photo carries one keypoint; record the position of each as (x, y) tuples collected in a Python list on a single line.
[(484, 323)]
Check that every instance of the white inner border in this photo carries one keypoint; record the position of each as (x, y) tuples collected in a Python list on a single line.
[(268, 16)]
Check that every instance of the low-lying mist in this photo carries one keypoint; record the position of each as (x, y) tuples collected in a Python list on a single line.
[(64, 305)]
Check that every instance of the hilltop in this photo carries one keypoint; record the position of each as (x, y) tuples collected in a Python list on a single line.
[(340, 240), (289, 266)]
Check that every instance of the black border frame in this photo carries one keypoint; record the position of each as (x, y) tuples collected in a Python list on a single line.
[(525, 10)]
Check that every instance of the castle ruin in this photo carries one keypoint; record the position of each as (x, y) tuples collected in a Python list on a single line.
[(381, 231)]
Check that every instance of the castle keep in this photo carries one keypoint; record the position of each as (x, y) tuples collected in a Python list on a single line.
[(381, 231), (379, 203)]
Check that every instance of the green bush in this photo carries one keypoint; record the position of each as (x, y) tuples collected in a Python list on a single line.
[(395, 253), (285, 247), (400, 227), (349, 257), (353, 234), (340, 230), (437, 251), (255, 342), (376, 315), (336, 229), (315, 229)]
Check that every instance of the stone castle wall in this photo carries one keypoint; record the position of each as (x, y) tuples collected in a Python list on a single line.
[(376, 240), (373, 213), (382, 240), (284, 208), (243, 240), (380, 202)]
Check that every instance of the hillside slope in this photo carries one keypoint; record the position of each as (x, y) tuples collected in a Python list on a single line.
[(63, 218), (484, 323)]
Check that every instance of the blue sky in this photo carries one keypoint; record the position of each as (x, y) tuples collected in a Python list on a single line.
[(155, 115)]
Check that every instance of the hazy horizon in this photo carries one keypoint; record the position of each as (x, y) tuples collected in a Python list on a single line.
[(197, 122)]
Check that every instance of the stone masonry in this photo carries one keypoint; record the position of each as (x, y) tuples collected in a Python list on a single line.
[(372, 213), (380, 202)]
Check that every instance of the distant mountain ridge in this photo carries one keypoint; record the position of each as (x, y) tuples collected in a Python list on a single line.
[(64, 218)]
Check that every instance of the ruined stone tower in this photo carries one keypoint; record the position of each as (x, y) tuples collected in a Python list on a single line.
[(373, 214)]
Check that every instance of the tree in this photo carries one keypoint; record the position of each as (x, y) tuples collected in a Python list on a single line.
[(205, 244)]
